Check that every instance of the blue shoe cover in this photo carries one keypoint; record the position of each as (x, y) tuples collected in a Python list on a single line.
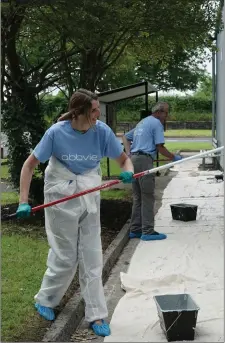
[(46, 312), (101, 329), (135, 235), (152, 237)]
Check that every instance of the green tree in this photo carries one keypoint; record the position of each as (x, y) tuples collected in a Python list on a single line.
[(182, 71), (205, 88)]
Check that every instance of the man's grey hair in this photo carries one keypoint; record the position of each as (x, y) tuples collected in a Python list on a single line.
[(159, 106)]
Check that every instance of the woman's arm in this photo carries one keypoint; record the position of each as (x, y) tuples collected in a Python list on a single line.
[(125, 163), (26, 176)]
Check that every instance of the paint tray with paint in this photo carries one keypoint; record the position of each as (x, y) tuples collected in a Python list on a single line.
[(184, 212), (177, 315)]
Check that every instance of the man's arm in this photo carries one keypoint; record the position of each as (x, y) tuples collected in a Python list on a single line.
[(127, 138), (126, 145), (163, 151), (159, 140)]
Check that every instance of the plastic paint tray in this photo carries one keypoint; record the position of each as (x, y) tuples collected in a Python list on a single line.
[(184, 212), (178, 316)]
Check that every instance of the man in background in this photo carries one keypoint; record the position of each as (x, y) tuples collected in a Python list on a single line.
[(147, 138)]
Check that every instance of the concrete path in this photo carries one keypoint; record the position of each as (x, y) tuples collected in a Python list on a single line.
[(188, 139)]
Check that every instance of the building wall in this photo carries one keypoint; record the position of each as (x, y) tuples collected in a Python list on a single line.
[(220, 90)]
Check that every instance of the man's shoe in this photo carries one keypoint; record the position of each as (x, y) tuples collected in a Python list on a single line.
[(135, 235), (155, 236)]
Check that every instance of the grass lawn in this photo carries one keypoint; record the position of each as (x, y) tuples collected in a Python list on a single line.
[(4, 172), (9, 198), (116, 194), (23, 265), (174, 146), (188, 133)]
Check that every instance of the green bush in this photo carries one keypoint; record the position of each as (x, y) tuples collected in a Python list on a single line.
[(190, 116), (187, 108), (127, 116), (130, 117), (182, 108), (188, 104)]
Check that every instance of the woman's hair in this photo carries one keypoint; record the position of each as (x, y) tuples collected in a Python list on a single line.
[(80, 104)]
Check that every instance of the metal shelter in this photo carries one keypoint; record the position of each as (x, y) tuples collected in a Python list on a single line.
[(142, 88)]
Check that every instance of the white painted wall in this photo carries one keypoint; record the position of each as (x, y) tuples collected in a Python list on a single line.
[(220, 89)]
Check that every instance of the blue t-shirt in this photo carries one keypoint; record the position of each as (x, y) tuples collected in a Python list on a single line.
[(78, 152), (146, 135)]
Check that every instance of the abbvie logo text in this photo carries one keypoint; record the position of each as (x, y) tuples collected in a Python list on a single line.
[(77, 157)]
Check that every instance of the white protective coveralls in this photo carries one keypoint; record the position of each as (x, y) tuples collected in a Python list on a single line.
[(72, 243)]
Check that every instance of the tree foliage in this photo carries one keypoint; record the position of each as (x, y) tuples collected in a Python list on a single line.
[(182, 71), (205, 88)]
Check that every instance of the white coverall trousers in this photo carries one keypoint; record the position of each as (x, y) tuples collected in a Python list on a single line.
[(72, 243)]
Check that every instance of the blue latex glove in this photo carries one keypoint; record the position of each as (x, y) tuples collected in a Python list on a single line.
[(23, 211), (126, 177), (177, 158)]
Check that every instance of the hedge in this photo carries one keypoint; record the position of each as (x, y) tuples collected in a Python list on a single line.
[(128, 116), (182, 108)]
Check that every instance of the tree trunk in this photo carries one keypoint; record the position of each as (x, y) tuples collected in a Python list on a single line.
[(90, 70), (22, 121)]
